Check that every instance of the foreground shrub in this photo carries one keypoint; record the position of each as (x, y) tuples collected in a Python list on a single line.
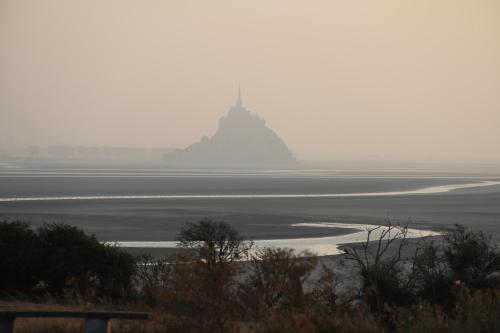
[(433, 278), (206, 287), (474, 312), (309, 320), (58, 258), (276, 279), (204, 276), (473, 258), (465, 260), (151, 278), (19, 258)]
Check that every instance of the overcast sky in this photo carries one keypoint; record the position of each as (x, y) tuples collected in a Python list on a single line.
[(387, 77)]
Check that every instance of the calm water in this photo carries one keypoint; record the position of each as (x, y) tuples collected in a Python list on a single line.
[(262, 204)]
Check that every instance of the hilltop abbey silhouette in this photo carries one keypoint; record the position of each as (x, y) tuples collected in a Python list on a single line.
[(242, 139)]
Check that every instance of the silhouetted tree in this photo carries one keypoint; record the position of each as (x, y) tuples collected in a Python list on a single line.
[(213, 241), (432, 276), (277, 276), (59, 257), (19, 258), (204, 273), (380, 264), (473, 258), (76, 261)]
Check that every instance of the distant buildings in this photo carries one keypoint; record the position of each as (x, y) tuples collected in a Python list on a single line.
[(61, 151), (88, 153)]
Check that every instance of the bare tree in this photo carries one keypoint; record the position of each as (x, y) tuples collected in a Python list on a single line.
[(379, 259), (151, 276), (213, 241), (278, 275), (205, 272)]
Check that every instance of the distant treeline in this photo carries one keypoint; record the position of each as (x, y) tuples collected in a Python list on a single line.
[(217, 282)]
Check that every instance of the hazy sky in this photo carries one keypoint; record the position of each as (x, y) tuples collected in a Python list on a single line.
[(384, 77)]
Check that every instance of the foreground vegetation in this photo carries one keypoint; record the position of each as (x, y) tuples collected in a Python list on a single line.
[(217, 282)]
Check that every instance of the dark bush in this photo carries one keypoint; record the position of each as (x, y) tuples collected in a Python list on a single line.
[(19, 258), (473, 258), (73, 260), (473, 312), (432, 277), (58, 258)]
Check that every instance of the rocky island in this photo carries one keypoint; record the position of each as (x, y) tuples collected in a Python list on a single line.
[(242, 139)]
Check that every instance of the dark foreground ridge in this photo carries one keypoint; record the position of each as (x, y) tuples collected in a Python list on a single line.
[(241, 139), (219, 282)]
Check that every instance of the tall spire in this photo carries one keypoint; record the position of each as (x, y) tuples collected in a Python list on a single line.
[(239, 102)]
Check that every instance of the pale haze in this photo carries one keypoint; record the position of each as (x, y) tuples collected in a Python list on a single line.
[(386, 78)]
